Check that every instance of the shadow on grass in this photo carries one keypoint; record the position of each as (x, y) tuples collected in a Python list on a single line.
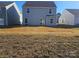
[(66, 26), (7, 27), (57, 26)]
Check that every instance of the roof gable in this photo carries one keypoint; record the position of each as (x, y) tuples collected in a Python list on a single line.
[(73, 11), (39, 4)]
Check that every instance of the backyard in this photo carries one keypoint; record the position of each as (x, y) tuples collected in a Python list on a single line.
[(39, 42)]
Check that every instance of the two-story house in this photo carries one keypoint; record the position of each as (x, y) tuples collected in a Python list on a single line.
[(39, 13)]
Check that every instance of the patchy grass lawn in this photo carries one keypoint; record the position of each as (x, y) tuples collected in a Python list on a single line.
[(39, 42)]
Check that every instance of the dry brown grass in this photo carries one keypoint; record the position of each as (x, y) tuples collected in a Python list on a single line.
[(39, 42), (40, 30)]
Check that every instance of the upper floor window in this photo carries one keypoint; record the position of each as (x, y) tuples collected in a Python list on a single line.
[(50, 11), (28, 10), (0, 10)]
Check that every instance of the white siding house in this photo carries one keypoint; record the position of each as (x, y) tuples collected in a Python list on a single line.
[(39, 13), (9, 14), (69, 17)]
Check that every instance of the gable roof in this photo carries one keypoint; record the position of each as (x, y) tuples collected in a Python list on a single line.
[(73, 11), (39, 4), (2, 3)]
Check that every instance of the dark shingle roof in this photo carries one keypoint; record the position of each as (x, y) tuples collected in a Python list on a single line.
[(39, 4), (73, 11), (5, 3)]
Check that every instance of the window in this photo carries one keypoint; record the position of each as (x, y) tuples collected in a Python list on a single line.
[(50, 11), (28, 10), (0, 12), (0, 9), (62, 21), (25, 20), (51, 20), (42, 21), (57, 21)]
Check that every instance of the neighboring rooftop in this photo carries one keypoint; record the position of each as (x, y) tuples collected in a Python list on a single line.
[(73, 11), (2, 3), (39, 4)]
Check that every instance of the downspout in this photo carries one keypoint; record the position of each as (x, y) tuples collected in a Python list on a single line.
[(6, 18), (45, 20)]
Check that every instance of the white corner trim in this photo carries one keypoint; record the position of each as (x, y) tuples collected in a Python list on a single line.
[(20, 15), (7, 7), (13, 4), (17, 9)]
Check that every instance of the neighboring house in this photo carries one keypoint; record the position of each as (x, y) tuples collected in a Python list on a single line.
[(69, 17), (39, 13), (9, 14)]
